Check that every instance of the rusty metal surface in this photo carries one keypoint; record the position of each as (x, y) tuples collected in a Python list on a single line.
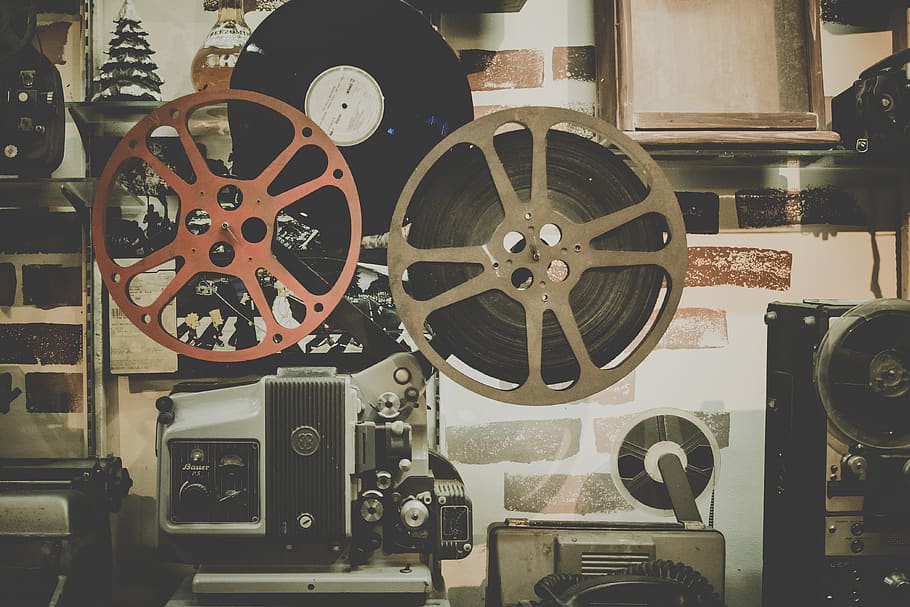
[(194, 249)]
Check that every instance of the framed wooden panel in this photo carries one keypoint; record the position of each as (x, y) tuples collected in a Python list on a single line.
[(710, 64)]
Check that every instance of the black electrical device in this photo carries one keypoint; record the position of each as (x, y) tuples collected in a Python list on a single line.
[(873, 115), (836, 530), (32, 118)]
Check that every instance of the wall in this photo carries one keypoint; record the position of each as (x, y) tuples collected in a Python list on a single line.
[(555, 462)]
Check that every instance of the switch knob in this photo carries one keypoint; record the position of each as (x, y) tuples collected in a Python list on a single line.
[(898, 581)]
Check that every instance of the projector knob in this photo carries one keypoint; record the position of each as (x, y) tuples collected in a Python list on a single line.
[(898, 581), (414, 514), (195, 501)]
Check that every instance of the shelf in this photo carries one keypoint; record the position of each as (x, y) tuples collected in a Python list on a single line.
[(469, 6), (41, 193), (109, 118), (101, 126)]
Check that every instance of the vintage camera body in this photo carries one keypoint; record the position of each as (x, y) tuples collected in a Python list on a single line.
[(874, 114), (309, 467)]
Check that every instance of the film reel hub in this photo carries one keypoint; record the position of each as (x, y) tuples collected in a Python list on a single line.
[(862, 373)]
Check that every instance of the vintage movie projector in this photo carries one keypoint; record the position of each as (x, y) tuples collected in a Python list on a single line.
[(557, 273), (324, 481), (837, 459)]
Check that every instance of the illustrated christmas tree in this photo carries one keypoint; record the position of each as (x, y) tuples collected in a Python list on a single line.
[(129, 72)]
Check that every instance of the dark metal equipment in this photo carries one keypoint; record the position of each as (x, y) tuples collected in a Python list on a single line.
[(837, 454), (55, 538), (31, 97), (663, 463), (874, 114)]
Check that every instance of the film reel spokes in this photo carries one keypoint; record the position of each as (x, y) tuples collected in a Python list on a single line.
[(544, 263), (223, 241)]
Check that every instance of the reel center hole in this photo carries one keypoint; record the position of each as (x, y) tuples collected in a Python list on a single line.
[(222, 254), (550, 234), (198, 222), (522, 279), (254, 230), (558, 271), (230, 197), (514, 242)]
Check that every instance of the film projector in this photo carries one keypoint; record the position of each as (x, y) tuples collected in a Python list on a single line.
[(837, 455), (534, 256)]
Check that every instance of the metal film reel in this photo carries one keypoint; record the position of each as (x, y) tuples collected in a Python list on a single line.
[(227, 227), (646, 439), (537, 265), (862, 372)]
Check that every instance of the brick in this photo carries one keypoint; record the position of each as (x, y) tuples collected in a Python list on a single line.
[(49, 286), (485, 110), (507, 69), (8, 284), (563, 494), (719, 425), (701, 212), (620, 393), (7, 393), (53, 392), (40, 231), (518, 441), (772, 207), (696, 329), (40, 343), (741, 267), (574, 63), (607, 430)]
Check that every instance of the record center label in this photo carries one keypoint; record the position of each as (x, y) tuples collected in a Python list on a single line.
[(347, 103)]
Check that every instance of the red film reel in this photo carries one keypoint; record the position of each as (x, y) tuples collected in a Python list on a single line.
[(192, 250)]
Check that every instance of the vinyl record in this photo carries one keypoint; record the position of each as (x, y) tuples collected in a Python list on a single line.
[(374, 74), (862, 373)]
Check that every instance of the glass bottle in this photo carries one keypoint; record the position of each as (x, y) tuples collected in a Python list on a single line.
[(214, 62)]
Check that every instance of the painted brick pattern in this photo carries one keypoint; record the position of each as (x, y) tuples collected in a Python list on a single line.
[(574, 63), (51, 286), (563, 494), (518, 441), (53, 392), (505, 69), (620, 393), (40, 343), (775, 207), (701, 212), (719, 424), (696, 329), (739, 266), (7, 393), (36, 231), (8, 284), (607, 430)]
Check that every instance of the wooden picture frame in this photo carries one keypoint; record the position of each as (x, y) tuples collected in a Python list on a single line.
[(648, 89)]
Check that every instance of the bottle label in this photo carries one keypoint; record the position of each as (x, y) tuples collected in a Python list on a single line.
[(227, 36), (347, 103)]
